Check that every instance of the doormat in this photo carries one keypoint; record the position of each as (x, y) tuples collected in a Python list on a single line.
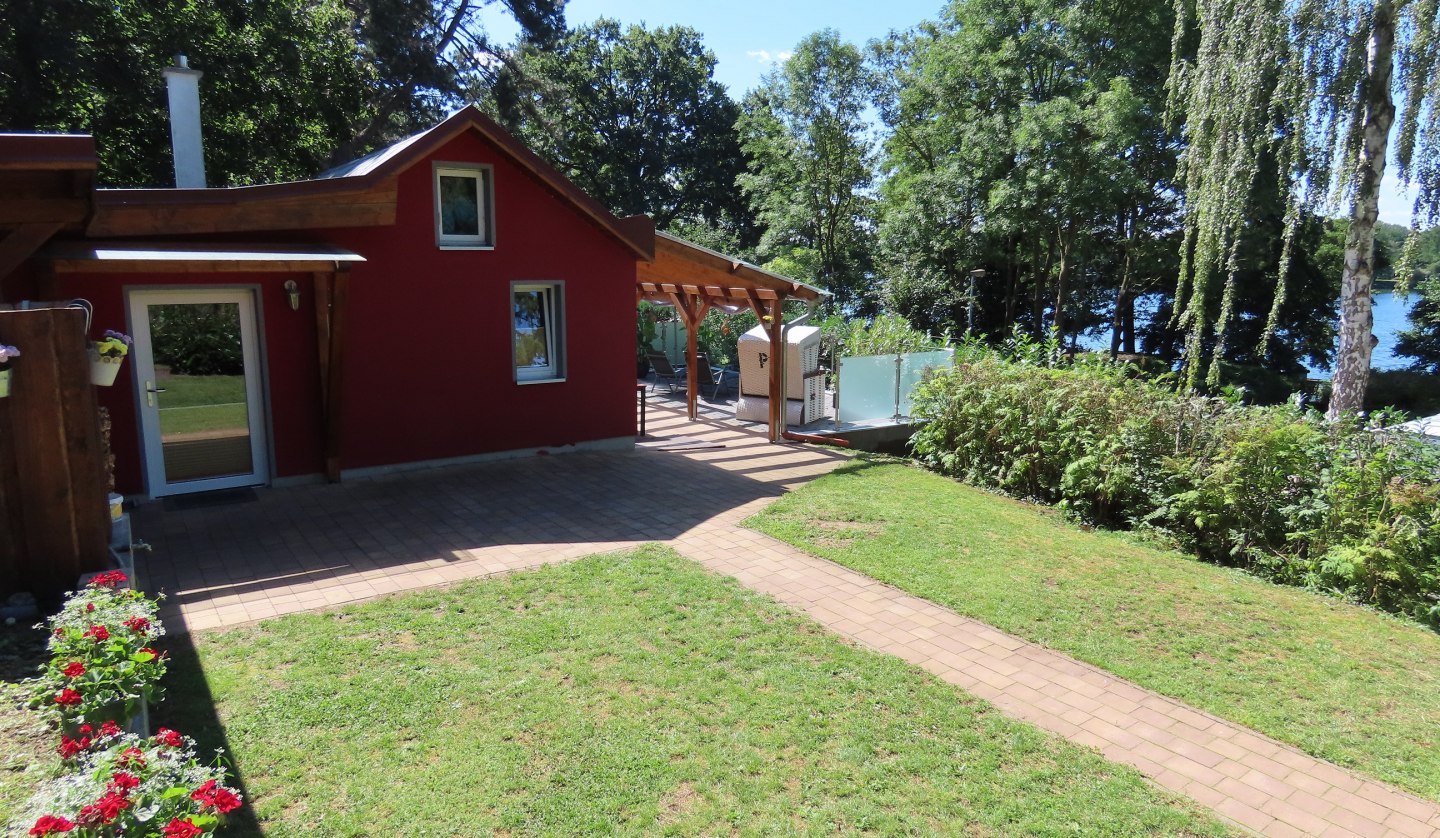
[(205, 500)]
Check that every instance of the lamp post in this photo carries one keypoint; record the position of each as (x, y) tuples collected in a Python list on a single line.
[(978, 273)]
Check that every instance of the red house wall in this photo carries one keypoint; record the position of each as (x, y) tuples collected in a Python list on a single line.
[(292, 373), (428, 347), (429, 372)]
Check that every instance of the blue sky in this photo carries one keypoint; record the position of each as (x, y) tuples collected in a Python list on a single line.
[(748, 36)]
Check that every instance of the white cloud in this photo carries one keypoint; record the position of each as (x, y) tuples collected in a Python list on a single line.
[(764, 56)]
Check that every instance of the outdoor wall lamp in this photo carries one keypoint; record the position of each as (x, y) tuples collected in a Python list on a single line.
[(292, 290)]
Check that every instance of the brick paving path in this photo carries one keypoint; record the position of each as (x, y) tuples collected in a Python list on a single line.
[(302, 548)]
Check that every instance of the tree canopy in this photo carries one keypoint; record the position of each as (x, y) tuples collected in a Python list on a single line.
[(635, 117), (290, 86), (1310, 84), (812, 166)]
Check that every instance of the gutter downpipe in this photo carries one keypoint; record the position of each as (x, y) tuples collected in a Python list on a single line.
[(783, 432)]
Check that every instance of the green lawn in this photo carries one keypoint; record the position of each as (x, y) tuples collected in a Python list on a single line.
[(629, 693), (197, 403), (1344, 683)]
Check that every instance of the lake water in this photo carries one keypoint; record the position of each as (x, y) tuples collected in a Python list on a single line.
[(1392, 316)]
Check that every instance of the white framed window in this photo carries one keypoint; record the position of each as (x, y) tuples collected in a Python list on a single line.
[(464, 204), (538, 323)]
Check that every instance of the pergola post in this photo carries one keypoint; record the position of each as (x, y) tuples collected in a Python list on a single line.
[(692, 308), (774, 328)]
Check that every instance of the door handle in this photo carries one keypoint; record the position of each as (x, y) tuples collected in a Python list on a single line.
[(150, 391)]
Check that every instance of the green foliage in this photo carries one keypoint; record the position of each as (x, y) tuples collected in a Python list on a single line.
[(1272, 489), (635, 117), (1026, 139), (197, 339), (884, 334), (1422, 340), (290, 86), (811, 165)]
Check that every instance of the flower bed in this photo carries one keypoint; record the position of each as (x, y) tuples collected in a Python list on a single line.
[(101, 671), (102, 664)]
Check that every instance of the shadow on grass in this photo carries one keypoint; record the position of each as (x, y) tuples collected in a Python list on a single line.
[(189, 707)]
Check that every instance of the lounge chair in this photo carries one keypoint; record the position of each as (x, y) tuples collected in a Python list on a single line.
[(663, 370), (709, 377)]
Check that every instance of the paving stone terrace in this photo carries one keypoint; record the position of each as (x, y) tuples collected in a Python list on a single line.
[(689, 485)]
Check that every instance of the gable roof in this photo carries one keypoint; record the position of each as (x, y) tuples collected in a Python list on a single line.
[(258, 208)]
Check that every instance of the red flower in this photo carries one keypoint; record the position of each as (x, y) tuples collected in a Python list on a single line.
[(212, 793), (59, 632), (100, 633), (89, 606), (109, 728), (104, 810), (226, 801), (86, 729), (70, 747), (112, 579), (131, 757), (123, 782), (73, 669), (166, 736), (68, 698), (137, 624), (181, 829), (152, 651), (51, 825)]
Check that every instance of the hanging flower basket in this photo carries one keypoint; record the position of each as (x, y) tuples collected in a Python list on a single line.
[(6, 353), (106, 356)]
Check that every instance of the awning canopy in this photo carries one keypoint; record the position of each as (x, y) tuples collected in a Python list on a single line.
[(682, 267), (128, 257)]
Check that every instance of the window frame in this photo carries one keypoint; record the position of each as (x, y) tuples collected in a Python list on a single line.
[(555, 343), (484, 176)]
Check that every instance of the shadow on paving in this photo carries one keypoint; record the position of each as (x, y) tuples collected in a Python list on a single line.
[(295, 537)]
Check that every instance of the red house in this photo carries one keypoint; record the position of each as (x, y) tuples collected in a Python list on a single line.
[(447, 298)]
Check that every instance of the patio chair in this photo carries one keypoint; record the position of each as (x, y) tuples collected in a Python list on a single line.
[(663, 370), (710, 377)]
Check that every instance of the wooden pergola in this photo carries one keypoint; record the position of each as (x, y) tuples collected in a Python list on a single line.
[(695, 279)]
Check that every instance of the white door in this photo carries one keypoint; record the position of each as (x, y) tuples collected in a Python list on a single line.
[(202, 416)]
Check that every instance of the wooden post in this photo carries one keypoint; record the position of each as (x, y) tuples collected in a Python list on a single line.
[(335, 413), (777, 383), (332, 294), (692, 375), (52, 469)]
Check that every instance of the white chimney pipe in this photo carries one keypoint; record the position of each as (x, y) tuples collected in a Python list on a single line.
[(183, 85)]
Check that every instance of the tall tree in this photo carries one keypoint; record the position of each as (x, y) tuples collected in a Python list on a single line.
[(1026, 138), (1310, 83), (636, 118), (811, 165)]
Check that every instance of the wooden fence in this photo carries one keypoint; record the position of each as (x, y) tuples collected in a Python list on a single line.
[(54, 519)]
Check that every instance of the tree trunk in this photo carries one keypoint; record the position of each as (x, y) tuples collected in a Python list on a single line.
[(1352, 359), (1062, 287)]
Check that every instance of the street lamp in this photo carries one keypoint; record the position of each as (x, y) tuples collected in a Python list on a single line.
[(978, 273)]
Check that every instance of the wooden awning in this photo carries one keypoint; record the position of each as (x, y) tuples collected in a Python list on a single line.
[(682, 267), (695, 279)]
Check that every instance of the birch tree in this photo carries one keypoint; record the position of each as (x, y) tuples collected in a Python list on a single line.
[(1313, 83)]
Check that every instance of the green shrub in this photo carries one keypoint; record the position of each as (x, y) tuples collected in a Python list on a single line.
[(1274, 489)]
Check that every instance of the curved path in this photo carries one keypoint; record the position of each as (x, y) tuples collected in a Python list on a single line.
[(299, 548)]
